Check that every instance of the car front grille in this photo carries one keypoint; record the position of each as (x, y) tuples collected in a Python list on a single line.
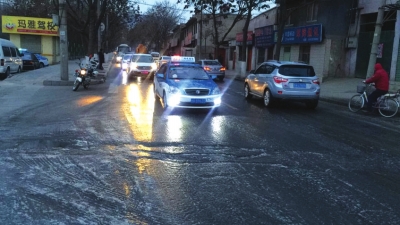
[(197, 91), (144, 67)]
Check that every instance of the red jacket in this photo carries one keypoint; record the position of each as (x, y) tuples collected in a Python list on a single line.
[(380, 78)]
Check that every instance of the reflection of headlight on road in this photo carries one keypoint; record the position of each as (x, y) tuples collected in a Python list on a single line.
[(217, 101), (174, 100), (216, 91)]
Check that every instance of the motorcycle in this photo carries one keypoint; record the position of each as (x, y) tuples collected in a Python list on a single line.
[(87, 73), (81, 77)]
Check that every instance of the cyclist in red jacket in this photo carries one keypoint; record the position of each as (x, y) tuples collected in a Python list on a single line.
[(381, 80)]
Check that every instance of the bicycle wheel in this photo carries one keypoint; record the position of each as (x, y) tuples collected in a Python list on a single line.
[(388, 107), (356, 103)]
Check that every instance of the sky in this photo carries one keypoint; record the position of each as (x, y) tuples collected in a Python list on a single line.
[(146, 4)]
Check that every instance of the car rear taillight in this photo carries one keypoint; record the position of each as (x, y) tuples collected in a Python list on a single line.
[(316, 81), (279, 80), (222, 69), (2, 62), (207, 68)]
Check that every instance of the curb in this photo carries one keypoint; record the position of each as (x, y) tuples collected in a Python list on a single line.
[(70, 83)]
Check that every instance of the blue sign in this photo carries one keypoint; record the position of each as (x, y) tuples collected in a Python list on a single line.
[(302, 35), (264, 36)]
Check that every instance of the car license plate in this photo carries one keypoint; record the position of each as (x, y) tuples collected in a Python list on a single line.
[(299, 85), (197, 100), (145, 72)]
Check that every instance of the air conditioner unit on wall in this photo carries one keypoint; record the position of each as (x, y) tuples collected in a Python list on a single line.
[(351, 42)]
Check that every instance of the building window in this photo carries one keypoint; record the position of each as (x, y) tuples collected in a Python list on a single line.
[(261, 55), (305, 53), (312, 12)]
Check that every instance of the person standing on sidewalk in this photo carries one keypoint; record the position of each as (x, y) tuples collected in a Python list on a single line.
[(381, 80), (101, 59)]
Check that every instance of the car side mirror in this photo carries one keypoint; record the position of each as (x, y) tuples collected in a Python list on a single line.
[(160, 75)]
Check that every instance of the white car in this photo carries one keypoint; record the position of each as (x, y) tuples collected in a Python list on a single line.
[(126, 61), (142, 65), (43, 60)]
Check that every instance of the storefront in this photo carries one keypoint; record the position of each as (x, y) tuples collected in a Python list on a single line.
[(37, 35), (249, 52), (264, 43)]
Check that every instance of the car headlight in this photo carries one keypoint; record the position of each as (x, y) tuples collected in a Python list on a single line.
[(119, 58), (153, 66), (174, 90), (133, 66), (216, 91)]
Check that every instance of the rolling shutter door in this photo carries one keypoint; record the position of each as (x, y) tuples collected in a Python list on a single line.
[(32, 42)]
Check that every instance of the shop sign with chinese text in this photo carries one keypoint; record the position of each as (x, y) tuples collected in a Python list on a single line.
[(302, 35), (28, 25)]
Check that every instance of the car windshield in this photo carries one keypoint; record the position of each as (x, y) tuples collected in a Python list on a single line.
[(297, 70), (188, 72), (142, 58), (212, 63), (126, 57)]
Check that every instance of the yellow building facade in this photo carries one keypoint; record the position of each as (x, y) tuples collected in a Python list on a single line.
[(37, 35)]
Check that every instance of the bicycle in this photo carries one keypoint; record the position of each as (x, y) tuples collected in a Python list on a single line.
[(387, 104)]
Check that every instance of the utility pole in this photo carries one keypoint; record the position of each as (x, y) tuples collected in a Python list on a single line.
[(201, 30), (375, 41), (99, 30), (63, 40)]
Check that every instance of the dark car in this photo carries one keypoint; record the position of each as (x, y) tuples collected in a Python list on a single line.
[(30, 61)]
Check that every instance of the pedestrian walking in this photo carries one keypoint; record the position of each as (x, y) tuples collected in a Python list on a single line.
[(101, 59)]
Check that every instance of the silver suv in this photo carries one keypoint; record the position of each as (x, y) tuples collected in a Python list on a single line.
[(283, 80)]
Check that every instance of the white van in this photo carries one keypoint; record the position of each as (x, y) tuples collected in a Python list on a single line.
[(10, 58)]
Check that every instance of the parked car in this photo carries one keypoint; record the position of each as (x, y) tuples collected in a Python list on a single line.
[(30, 61), (44, 61), (213, 68), (10, 58), (283, 80), (182, 83), (142, 65)]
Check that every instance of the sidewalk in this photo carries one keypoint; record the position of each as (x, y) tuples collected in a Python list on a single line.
[(50, 75)]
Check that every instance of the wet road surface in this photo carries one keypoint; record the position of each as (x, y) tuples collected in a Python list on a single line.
[(112, 155)]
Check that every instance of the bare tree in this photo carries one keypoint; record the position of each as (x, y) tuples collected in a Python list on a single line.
[(155, 26)]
